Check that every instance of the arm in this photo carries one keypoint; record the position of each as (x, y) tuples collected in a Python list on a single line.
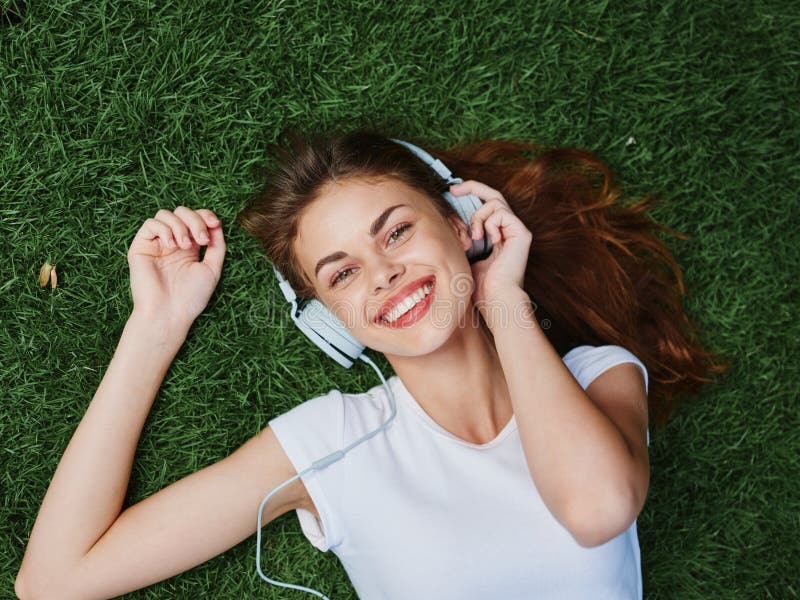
[(89, 485), (585, 450), (82, 547), (592, 477)]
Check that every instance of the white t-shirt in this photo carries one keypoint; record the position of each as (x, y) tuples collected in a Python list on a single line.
[(418, 513)]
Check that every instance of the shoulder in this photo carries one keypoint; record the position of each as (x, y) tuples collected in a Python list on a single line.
[(321, 408), (616, 381), (310, 429), (587, 363), (324, 419), (366, 411)]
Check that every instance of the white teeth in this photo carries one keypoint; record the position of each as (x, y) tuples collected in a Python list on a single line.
[(407, 304)]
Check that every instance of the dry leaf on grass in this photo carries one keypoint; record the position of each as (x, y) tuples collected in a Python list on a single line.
[(48, 273)]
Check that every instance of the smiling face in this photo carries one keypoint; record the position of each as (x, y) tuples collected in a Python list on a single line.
[(370, 247)]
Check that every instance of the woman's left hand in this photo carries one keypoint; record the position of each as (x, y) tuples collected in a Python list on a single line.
[(504, 270)]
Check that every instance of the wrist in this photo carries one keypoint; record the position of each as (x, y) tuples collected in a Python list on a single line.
[(509, 307), (159, 328)]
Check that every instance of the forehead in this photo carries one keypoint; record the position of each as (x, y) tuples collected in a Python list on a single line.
[(341, 215), (359, 195)]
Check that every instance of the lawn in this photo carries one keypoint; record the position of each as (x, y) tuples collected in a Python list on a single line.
[(112, 110)]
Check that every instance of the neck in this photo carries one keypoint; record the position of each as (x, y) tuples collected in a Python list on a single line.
[(461, 385)]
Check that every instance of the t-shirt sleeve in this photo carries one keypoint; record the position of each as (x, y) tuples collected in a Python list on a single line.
[(586, 363), (307, 433)]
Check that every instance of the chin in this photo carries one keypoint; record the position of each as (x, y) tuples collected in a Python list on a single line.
[(416, 342)]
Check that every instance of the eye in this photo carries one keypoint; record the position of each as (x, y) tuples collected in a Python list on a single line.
[(339, 276), (399, 232)]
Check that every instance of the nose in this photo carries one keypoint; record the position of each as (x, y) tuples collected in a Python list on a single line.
[(386, 274)]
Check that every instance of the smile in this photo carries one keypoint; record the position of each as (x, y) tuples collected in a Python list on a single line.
[(411, 309)]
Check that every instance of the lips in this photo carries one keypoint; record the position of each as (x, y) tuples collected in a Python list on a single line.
[(401, 295)]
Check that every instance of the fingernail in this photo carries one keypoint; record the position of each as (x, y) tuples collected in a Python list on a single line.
[(186, 240), (203, 238)]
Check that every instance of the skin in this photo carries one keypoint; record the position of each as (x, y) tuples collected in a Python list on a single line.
[(446, 359)]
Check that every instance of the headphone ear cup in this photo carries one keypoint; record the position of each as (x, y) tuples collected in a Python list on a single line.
[(465, 206), (328, 333)]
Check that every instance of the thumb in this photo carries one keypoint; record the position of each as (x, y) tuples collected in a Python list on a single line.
[(215, 251)]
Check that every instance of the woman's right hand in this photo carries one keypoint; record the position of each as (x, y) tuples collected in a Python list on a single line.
[(168, 282)]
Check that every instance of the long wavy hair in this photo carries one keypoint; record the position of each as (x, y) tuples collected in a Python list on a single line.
[(596, 266)]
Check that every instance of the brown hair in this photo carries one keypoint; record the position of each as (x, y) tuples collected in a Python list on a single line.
[(595, 265)]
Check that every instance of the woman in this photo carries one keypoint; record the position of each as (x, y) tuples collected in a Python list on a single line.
[(510, 472)]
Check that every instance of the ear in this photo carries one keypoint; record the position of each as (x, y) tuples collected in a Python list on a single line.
[(461, 231)]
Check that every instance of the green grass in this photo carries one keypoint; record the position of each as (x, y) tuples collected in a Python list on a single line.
[(112, 110)]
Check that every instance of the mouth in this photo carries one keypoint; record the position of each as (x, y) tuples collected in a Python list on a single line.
[(409, 305)]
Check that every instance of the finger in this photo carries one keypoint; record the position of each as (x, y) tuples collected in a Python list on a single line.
[(153, 229), (476, 226), (215, 252), (491, 226), (482, 213), (490, 206), (209, 217), (179, 229), (502, 224), (493, 230), (481, 190), (197, 226)]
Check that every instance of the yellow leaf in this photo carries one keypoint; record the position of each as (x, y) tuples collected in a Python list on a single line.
[(44, 273), (53, 278)]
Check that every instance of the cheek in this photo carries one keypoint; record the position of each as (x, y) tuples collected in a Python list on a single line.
[(342, 309), (436, 243), (454, 256), (352, 311)]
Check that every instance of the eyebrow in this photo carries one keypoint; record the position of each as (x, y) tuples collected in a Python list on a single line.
[(376, 226)]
